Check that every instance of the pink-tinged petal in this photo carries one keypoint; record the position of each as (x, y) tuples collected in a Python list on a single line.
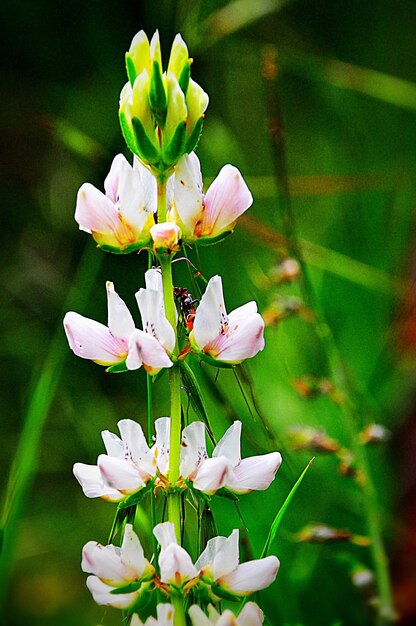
[(212, 475), (111, 183), (251, 615), (165, 534), (154, 320), (93, 485), (241, 313), (96, 213), (241, 341), (89, 339), (120, 321), (229, 444), (252, 576), (132, 552), (193, 448), (143, 349), (162, 443), (226, 199), (211, 317), (102, 594), (227, 619), (104, 562), (166, 235), (113, 444), (256, 472), (121, 474), (188, 190)]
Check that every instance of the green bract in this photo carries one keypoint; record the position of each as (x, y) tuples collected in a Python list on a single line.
[(161, 113)]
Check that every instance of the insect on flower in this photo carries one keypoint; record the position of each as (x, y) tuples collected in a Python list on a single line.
[(186, 305)]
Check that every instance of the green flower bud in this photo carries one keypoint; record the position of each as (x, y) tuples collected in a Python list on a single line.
[(161, 114)]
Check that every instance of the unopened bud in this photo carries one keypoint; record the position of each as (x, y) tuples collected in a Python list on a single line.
[(286, 271), (166, 237), (374, 433)]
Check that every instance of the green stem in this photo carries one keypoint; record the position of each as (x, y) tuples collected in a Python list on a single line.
[(178, 605), (336, 366), (174, 501), (161, 199)]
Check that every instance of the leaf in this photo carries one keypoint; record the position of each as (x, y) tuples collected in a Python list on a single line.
[(131, 70), (127, 132), (157, 95), (145, 148), (193, 138), (135, 498), (277, 520), (194, 391), (175, 147), (117, 368)]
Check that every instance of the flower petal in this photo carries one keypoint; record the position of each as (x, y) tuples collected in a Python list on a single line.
[(148, 185), (165, 614), (93, 485), (132, 551), (112, 181), (251, 576), (193, 448), (256, 472), (198, 617), (174, 562), (89, 339), (210, 317), (188, 190), (120, 321), (243, 340), (104, 562), (133, 437), (121, 474), (226, 199), (102, 594), (220, 556), (153, 280), (154, 319), (212, 475), (162, 444), (143, 349), (251, 615), (229, 444), (113, 444), (96, 213)]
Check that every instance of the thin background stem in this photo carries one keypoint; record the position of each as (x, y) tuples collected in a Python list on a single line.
[(352, 419)]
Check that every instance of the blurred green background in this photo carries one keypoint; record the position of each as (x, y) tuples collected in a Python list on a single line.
[(325, 86)]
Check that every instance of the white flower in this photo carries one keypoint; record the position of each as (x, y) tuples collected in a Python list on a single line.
[(250, 615), (222, 338), (129, 463), (215, 213), (219, 566), (165, 614), (120, 219), (150, 346), (175, 564), (120, 344), (225, 469), (114, 568), (106, 345)]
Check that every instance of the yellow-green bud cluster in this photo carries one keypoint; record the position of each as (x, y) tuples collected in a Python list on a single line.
[(161, 113)]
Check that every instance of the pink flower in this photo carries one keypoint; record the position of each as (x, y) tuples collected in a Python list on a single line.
[(120, 219), (206, 217), (221, 338), (226, 469)]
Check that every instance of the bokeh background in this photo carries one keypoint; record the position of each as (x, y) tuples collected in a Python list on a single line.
[(315, 102)]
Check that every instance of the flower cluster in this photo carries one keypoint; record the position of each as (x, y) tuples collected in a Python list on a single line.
[(122, 577), (130, 464), (222, 340)]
